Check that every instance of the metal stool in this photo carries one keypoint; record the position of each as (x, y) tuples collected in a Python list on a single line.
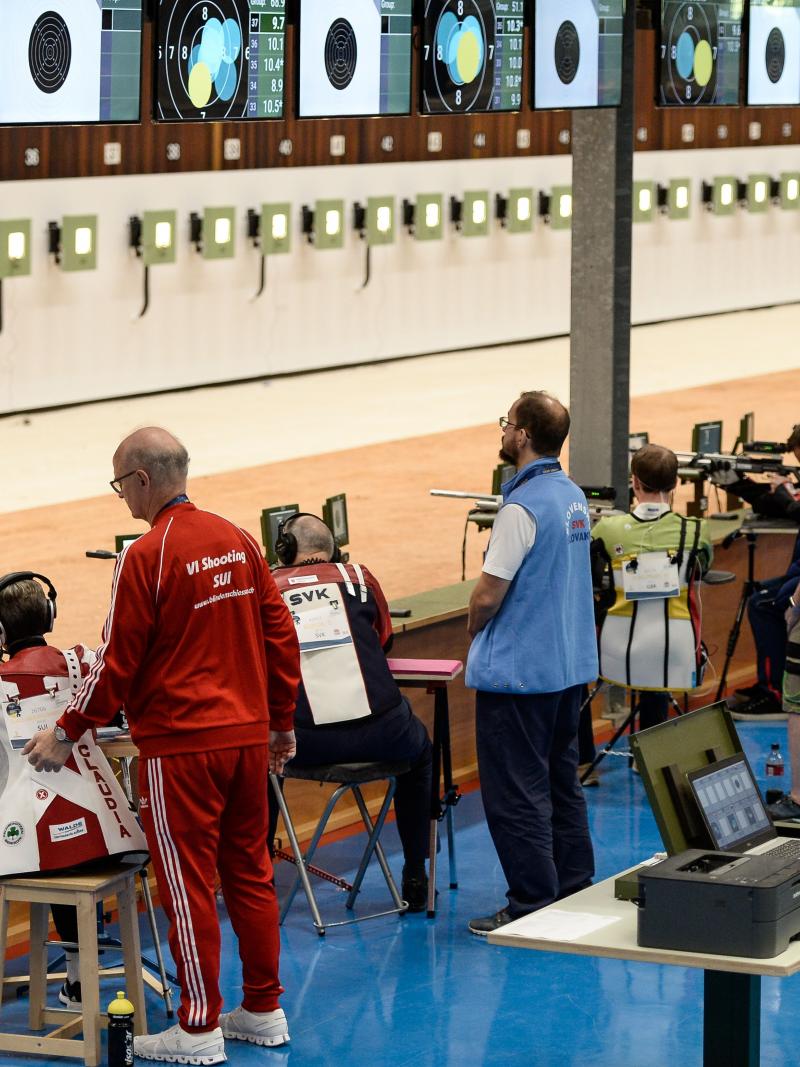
[(348, 777), (84, 891)]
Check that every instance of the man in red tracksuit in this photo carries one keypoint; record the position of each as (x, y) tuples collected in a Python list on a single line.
[(201, 651)]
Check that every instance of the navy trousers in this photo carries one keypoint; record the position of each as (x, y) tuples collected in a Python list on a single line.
[(769, 633), (535, 806), (396, 736)]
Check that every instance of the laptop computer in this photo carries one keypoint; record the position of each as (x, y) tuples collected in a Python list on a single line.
[(730, 803)]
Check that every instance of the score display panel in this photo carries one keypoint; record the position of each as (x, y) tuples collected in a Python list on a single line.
[(773, 52), (70, 61), (577, 49), (355, 58), (701, 51), (472, 56), (220, 59)]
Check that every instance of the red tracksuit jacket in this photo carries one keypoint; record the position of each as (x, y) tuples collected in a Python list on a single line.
[(198, 646)]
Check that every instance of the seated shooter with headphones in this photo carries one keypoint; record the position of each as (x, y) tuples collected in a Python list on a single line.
[(349, 709), (777, 498), (27, 613), (650, 633)]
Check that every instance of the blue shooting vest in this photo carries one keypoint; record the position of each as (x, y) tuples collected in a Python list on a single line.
[(542, 639)]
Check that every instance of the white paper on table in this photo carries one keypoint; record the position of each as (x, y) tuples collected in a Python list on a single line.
[(555, 924)]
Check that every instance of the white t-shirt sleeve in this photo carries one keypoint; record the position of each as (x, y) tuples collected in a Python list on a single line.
[(513, 535)]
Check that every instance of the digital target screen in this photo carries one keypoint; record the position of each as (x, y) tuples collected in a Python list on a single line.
[(220, 59), (355, 57), (701, 51), (577, 53), (70, 61), (773, 52), (472, 56)]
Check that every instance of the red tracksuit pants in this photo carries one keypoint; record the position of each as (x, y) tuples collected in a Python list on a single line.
[(201, 813)]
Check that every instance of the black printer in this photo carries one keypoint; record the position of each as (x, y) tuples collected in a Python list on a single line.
[(721, 902)]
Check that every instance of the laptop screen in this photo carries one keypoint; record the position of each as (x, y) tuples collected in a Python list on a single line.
[(731, 804)]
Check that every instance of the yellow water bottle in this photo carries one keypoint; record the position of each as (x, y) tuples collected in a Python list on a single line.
[(120, 1032)]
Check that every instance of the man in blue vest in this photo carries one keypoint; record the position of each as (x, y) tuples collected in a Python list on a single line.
[(531, 618)]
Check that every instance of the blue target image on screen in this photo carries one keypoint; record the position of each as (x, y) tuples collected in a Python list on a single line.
[(220, 59), (701, 52)]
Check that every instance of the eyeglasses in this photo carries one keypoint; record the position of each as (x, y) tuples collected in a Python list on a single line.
[(116, 483), (503, 421)]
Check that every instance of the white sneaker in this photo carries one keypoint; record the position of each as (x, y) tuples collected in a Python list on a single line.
[(179, 1046), (259, 1028)]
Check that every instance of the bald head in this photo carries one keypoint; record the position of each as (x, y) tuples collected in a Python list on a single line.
[(159, 453), (314, 539)]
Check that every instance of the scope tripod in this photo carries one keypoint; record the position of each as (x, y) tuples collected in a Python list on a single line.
[(749, 586), (627, 724)]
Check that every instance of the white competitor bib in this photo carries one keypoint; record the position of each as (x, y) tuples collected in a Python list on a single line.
[(329, 664), (52, 820), (319, 616), (651, 576)]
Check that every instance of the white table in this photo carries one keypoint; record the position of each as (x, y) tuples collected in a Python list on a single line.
[(731, 987)]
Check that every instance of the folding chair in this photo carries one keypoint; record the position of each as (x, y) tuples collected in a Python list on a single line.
[(348, 777)]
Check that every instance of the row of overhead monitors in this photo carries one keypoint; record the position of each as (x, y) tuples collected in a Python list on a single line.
[(80, 61)]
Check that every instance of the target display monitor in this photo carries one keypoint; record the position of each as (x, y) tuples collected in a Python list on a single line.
[(334, 515), (472, 56), (271, 519), (70, 61), (355, 58), (773, 52), (219, 59), (701, 52), (707, 438), (577, 53)]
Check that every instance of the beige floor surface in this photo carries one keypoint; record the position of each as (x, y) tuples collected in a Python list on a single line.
[(410, 540)]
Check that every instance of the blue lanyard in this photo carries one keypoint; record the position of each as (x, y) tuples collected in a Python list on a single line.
[(182, 498), (533, 471)]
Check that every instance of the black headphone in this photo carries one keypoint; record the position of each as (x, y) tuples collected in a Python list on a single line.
[(28, 576), (286, 543)]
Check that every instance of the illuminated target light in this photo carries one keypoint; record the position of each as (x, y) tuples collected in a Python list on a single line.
[(15, 248), (73, 244), (674, 200), (433, 215), (517, 211), (644, 201), (163, 236), (380, 220), (758, 193), (323, 225), (789, 191), (217, 233), (475, 214), (424, 217)]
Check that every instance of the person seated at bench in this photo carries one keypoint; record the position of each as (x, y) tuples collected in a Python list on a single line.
[(349, 708), (777, 498), (788, 806), (33, 669), (650, 634)]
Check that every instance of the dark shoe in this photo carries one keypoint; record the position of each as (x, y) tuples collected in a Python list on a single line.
[(744, 696), (415, 890), (785, 808), (70, 995), (482, 927), (762, 708), (592, 780)]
